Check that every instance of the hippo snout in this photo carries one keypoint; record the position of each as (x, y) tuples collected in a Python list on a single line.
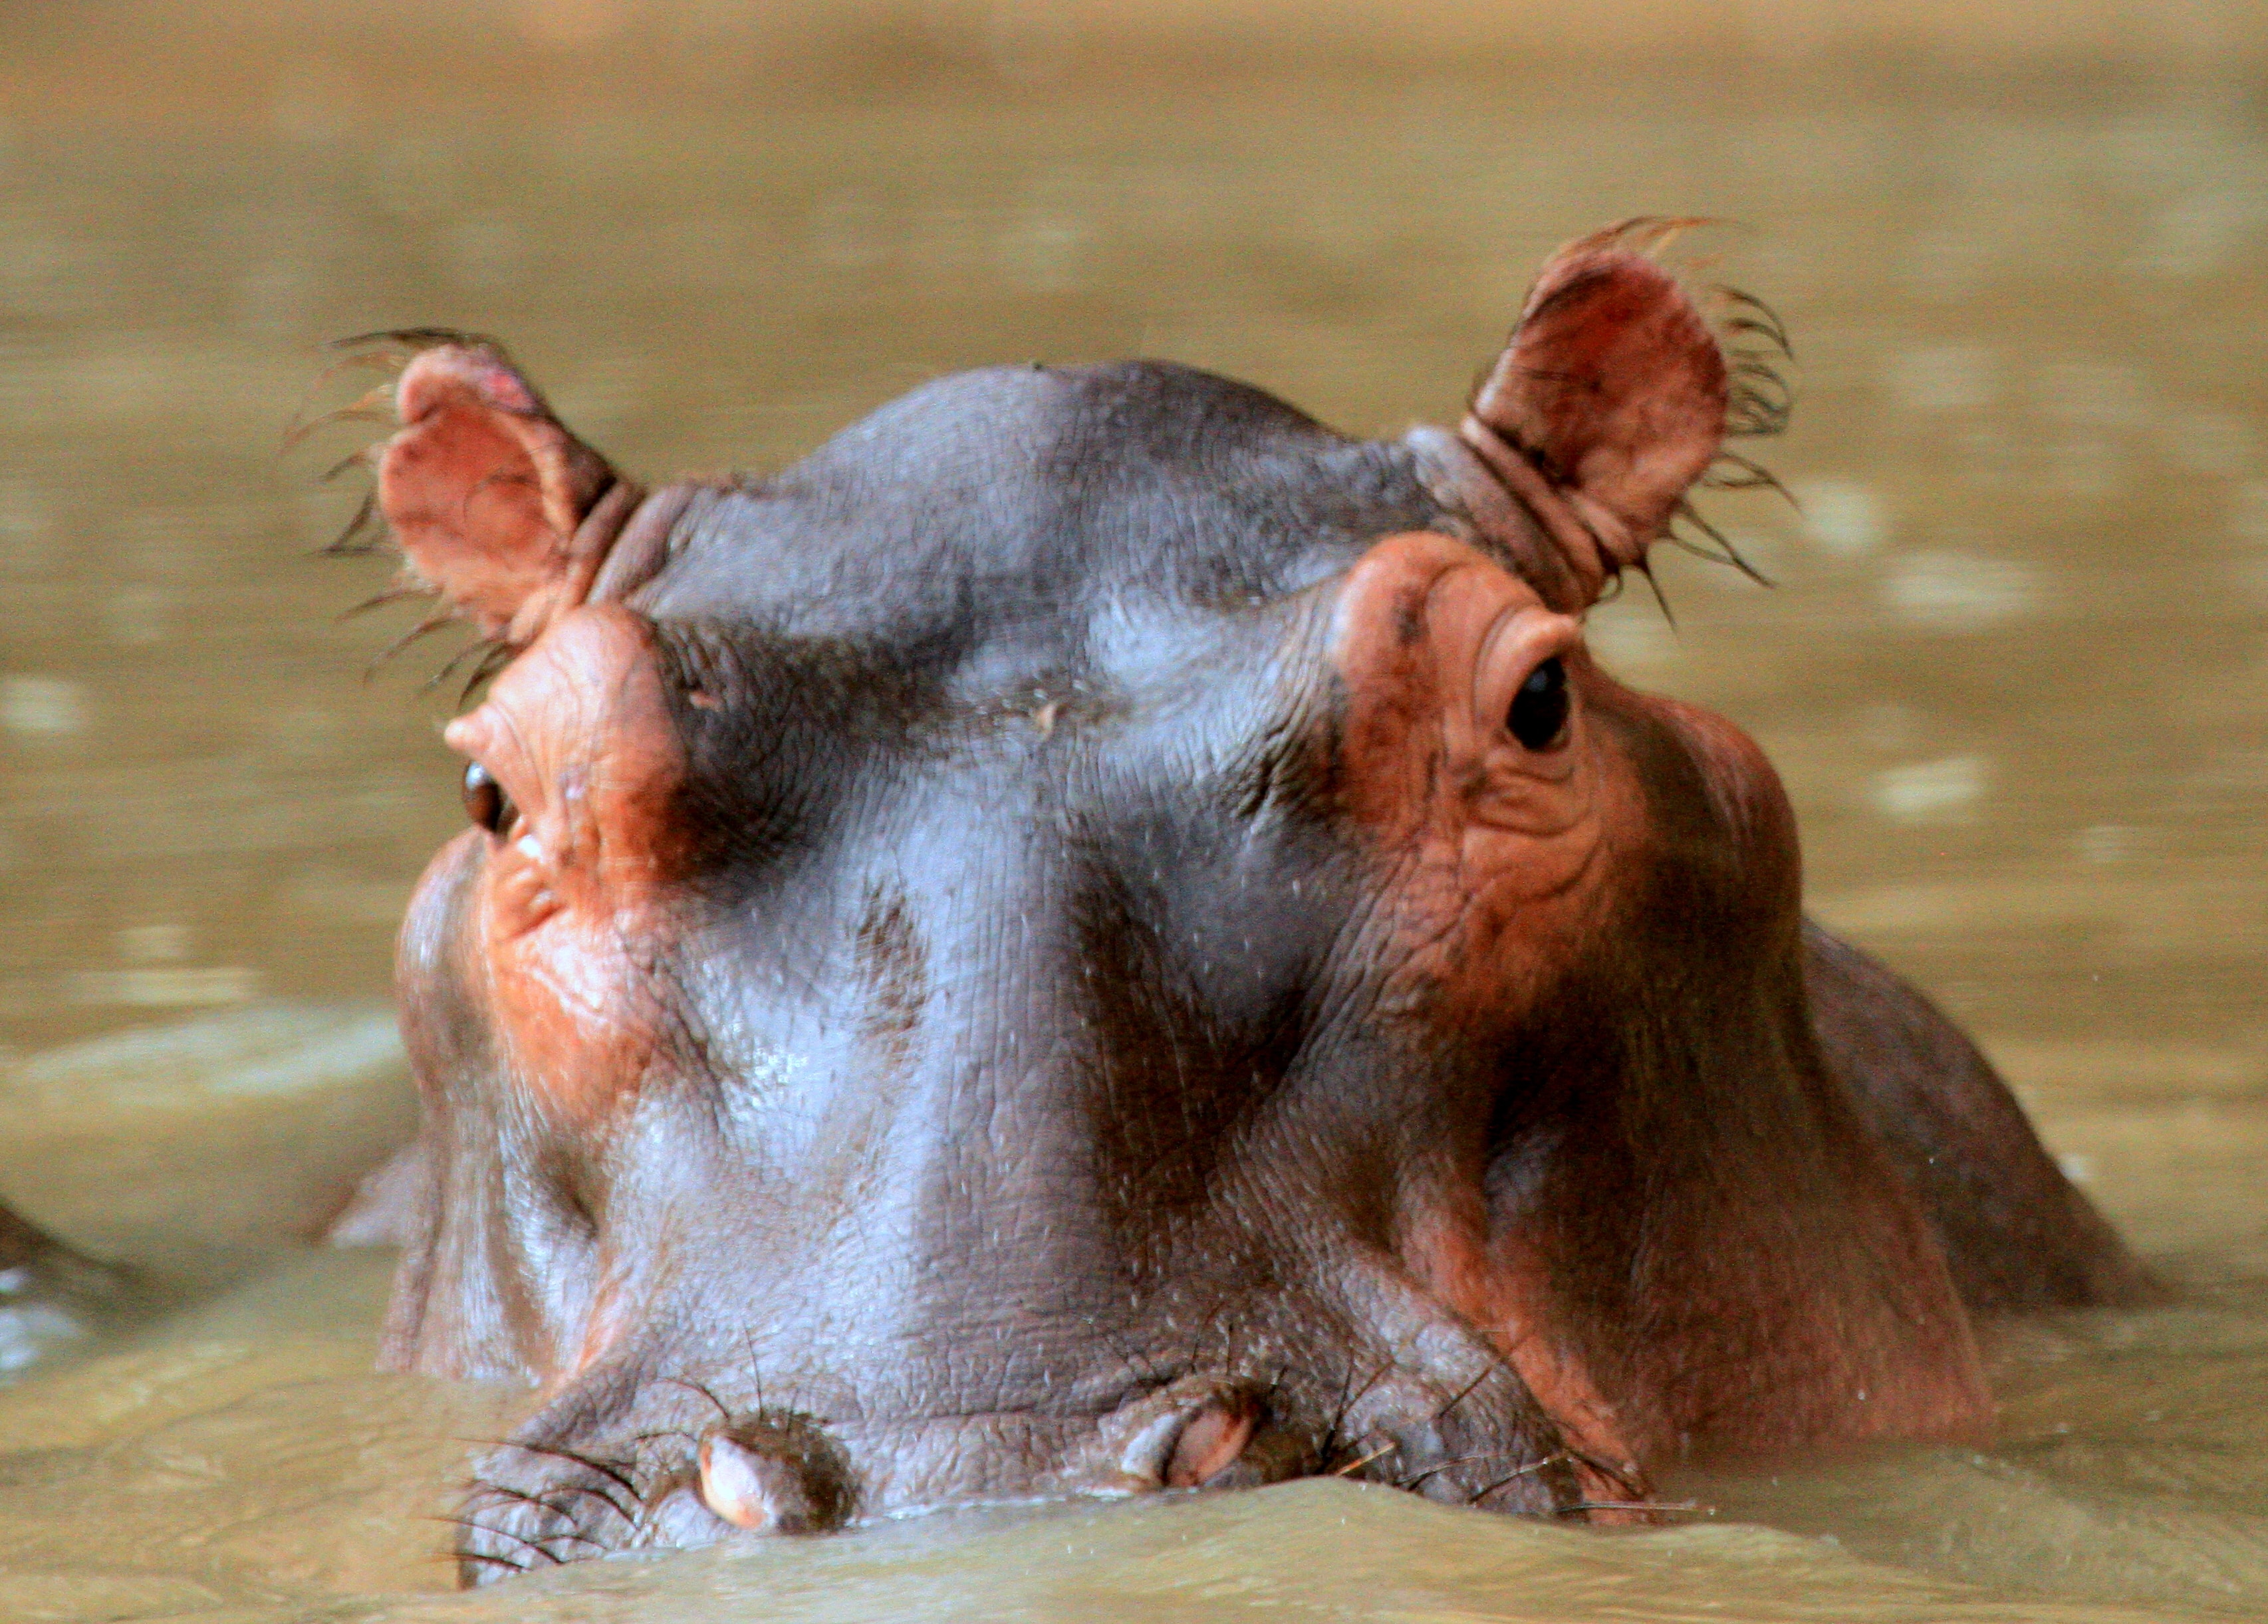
[(769, 1471)]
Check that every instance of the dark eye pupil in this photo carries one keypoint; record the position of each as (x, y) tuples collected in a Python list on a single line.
[(1539, 710), (485, 802)]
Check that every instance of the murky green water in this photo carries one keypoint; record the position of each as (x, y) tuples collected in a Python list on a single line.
[(2015, 674)]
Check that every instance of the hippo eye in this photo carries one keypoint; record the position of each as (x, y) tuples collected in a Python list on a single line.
[(485, 802), (1538, 718)]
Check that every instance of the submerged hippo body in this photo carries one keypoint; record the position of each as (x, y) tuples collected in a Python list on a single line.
[(1095, 935)]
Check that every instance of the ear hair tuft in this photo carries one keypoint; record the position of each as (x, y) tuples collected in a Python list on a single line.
[(1615, 394)]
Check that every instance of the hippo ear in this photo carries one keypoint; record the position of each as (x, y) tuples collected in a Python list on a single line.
[(486, 492), (1608, 401)]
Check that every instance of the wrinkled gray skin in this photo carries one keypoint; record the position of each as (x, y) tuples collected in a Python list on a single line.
[(1032, 1106)]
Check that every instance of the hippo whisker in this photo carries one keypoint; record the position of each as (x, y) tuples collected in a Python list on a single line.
[(483, 646), (747, 1336), (542, 1502), (1652, 234), (1416, 1478), (1725, 553), (1466, 1391), (1357, 1465), (1578, 1507), (1747, 325), (615, 1475), (430, 624), (476, 1527), (1267, 1395), (723, 1411), (410, 340), (1756, 316), (1557, 1457), (1349, 1395), (1761, 398), (656, 1434), (344, 545), (392, 594), (1644, 567), (1749, 476), (366, 458), (1620, 1476), (389, 360), (494, 657), (376, 406), (1761, 374), (1759, 402), (392, 363)]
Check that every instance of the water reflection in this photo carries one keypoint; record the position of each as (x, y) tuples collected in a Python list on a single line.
[(2015, 672)]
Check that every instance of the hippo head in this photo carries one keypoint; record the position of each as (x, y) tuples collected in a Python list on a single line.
[(1095, 936)]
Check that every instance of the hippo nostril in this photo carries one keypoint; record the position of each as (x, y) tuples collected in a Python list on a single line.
[(1190, 1447), (760, 1476), (753, 1490), (1209, 1444)]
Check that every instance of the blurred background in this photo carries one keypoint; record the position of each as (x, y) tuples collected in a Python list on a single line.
[(2014, 668)]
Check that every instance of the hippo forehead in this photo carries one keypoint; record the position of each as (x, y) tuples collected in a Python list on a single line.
[(1014, 523)]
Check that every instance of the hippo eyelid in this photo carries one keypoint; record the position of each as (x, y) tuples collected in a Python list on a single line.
[(1526, 642)]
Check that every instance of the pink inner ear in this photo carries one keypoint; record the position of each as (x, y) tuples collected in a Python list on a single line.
[(1613, 385), (485, 490)]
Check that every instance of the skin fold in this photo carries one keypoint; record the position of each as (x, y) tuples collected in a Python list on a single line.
[(1095, 936)]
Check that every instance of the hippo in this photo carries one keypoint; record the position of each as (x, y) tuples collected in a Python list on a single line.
[(1095, 936)]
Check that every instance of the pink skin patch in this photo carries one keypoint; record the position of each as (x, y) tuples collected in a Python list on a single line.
[(1488, 842), (571, 906)]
